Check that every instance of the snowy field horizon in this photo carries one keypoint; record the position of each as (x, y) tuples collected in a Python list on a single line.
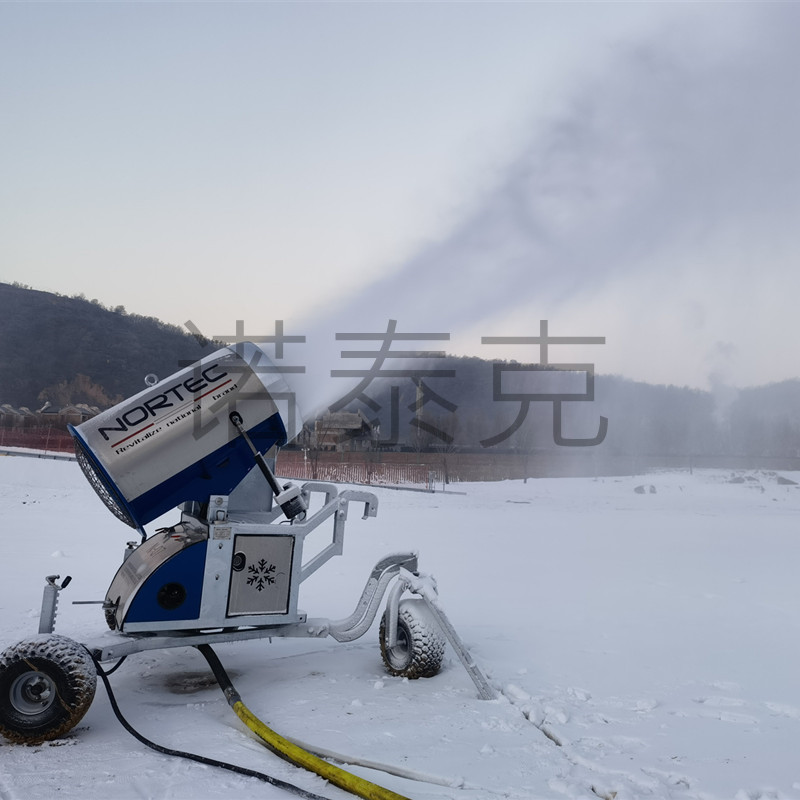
[(642, 632)]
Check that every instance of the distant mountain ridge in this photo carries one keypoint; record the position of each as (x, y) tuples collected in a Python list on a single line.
[(65, 350)]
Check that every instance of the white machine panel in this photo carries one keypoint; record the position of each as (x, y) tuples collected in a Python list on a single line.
[(261, 571)]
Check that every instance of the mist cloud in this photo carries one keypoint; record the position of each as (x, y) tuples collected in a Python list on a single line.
[(678, 158)]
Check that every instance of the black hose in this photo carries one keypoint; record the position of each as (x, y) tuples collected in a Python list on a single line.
[(228, 689), (115, 667), (191, 756)]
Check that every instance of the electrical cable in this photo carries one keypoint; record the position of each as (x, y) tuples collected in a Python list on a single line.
[(287, 749), (116, 666), (191, 756)]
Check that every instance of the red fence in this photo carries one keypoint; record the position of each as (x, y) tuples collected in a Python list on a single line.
[(49, 439), (384, 473), (420, 469), (427, 469)]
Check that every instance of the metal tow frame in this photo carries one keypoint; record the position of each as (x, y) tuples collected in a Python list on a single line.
[(399, 567)]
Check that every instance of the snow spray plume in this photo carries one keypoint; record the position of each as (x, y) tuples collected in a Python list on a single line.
[(661, 154), (654, 168)]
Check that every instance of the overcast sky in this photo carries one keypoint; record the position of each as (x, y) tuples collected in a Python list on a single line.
[(627, 170)]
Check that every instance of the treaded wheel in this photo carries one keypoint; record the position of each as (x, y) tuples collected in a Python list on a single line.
[(420, 644), (47, 684)]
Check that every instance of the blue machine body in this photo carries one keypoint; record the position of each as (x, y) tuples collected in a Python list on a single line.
[(173, 590)]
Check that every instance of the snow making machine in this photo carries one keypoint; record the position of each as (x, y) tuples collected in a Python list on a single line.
[(231, 567)]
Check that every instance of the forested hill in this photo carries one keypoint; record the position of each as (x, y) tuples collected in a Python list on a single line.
[(69, 350), (74, 350)]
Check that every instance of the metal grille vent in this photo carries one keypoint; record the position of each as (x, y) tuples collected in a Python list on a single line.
[(105, 491)]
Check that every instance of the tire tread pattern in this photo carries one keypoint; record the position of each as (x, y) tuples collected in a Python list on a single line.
[(69, 666), (425, 642)]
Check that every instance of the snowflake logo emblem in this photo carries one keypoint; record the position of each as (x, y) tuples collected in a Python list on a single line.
[(261, 574)]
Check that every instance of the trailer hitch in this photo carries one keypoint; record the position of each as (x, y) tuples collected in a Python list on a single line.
[(47, 617)]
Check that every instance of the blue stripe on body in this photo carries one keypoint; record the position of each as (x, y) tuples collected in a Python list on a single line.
[(220, 472)]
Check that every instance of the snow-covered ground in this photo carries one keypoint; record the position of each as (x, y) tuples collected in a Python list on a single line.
[(646, 644)]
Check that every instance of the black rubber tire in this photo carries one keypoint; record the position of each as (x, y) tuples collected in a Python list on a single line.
[(47, 684), (420, 643)]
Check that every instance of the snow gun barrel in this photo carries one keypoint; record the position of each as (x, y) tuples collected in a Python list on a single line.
[(174, 442)]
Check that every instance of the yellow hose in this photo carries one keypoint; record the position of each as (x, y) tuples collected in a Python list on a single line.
[(289, 750), (302, 758)]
